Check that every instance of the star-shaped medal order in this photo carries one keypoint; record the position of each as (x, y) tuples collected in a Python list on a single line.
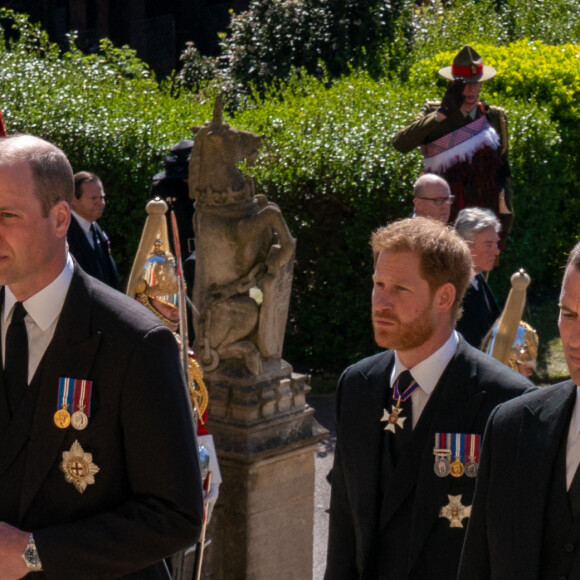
[(393, 419), (78, 467), (454, 511)]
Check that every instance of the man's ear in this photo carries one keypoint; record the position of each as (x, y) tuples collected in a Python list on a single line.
[(60, 214), (445, 297)]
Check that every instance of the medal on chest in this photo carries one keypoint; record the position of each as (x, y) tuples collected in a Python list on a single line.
[(73, 405), (394, 418)]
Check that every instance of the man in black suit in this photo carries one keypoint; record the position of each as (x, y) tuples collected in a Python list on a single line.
[(87, 241), (526, 513), (480, 228), (99, 473), (407, 442)]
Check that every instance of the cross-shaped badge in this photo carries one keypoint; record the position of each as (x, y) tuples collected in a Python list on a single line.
[(393, 418), (454, 511)]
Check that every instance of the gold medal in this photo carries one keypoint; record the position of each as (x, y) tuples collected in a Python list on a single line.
[(62, 418), (456, 468), (79, 420)]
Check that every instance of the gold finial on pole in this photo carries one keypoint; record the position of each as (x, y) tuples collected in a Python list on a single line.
[(510, 318)]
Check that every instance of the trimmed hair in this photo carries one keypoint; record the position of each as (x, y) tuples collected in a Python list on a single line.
[(83, 177), (474, 220), (51, 171), (429, 179), (443, 255)]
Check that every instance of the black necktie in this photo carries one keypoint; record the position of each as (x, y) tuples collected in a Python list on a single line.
[(402, 436), (16, 357)]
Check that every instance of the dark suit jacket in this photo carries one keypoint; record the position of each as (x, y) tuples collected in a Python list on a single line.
[(145, 503), (470, 387), (86, 256), (480, 311), (522, 440)]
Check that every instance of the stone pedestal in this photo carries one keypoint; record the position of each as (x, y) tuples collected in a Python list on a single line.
[(266, 439)]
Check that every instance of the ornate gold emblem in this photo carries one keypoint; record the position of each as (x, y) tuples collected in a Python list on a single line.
[(78, 467), (454, 511)]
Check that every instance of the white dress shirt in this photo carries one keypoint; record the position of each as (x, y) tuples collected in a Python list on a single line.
[(43, 310), (427, 373)]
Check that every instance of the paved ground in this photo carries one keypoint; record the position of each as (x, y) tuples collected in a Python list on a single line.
[(324, 414)]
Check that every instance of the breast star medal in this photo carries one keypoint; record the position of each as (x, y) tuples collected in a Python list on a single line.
[(454, 511), (78, 467), (393, 418)]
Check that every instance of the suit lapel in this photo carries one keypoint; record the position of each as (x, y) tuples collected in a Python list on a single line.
[(455, 396), (4, 411), (70, 354), (544, 424)]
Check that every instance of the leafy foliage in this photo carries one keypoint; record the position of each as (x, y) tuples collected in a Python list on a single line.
[(105, 110), (328, 159)]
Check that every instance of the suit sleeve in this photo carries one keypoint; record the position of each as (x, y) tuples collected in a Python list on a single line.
[(341, 553), (161, 512), (475, 561)]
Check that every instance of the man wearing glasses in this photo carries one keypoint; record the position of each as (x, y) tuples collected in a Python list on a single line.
[(465, 141), (432, 198)]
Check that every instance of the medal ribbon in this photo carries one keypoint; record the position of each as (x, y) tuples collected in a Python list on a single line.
[(460, 445), (474, 444), (406, 393), (65, 394), (82, 393)]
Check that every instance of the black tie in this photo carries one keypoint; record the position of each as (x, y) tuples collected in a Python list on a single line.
[(16, 357), (402, 436)]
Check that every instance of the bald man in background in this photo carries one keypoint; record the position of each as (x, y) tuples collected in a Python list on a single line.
[(432, 198)]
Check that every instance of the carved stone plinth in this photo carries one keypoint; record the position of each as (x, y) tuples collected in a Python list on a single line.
[(266, 439)]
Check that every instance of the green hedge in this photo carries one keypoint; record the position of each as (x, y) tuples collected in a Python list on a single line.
[(328, 161), (332, 168), (106, 111)]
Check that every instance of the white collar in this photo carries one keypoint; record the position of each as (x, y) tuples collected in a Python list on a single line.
[(84, 223), (44, 306), (471, 115), (428, 372)]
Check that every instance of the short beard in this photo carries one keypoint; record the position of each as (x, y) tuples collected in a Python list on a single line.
[(408, 335)]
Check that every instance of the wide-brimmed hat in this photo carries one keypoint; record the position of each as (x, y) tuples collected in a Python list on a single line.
[(468, 66), (176, 162)]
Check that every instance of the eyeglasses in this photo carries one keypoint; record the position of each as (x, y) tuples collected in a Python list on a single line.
[(439, 200)]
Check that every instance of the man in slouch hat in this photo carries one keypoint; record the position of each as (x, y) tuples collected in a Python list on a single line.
[(465, 141)]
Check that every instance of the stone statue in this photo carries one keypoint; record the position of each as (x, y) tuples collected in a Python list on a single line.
[(244, 253)]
